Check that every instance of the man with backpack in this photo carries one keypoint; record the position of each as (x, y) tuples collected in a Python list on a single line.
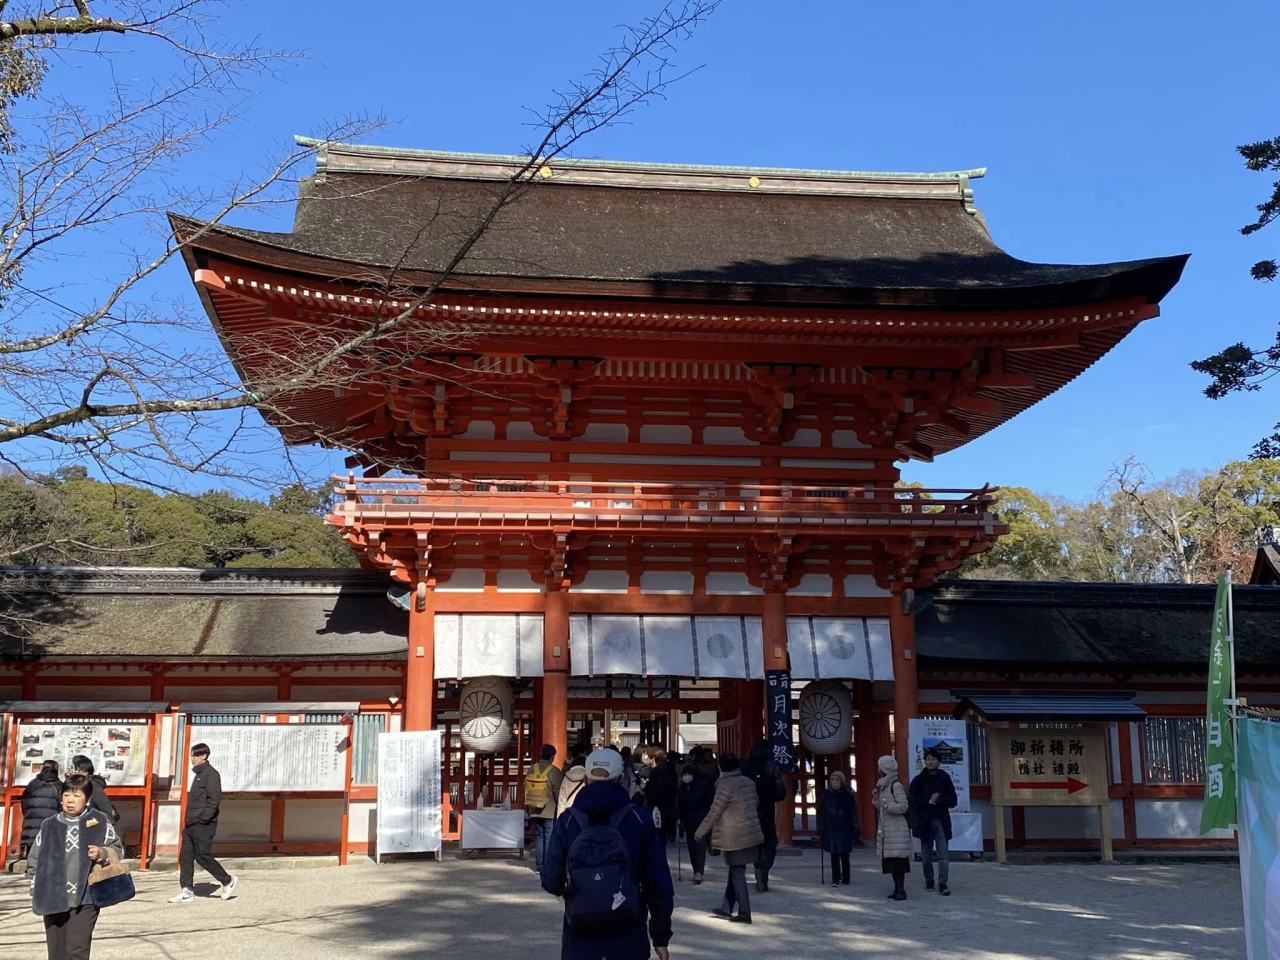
[(608, 862), (771, 788), (541, 788)]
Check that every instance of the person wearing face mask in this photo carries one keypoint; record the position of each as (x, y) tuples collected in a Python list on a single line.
[(838, 825), (693, 800)]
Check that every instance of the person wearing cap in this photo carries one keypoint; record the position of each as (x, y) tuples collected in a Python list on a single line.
[(603, 796)]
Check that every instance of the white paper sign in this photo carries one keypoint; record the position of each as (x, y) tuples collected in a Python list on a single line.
[(409, 812), (276, 757), (950, 739)]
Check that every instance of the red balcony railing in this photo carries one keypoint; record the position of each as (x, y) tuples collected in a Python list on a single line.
[(400, 500)]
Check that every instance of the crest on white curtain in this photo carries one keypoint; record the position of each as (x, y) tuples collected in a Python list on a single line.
[(666, 646), (846, 648)]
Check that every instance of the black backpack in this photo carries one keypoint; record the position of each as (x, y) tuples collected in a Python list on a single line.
[(601, 893)]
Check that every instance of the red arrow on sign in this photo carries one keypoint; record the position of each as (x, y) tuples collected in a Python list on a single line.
[(1071, 785)]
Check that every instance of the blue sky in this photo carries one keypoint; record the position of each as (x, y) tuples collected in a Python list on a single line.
[(1108, 130)]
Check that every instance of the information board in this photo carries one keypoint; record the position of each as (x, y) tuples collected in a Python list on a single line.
[(276, 757), (1048, 767), (949, 739), (409, 813), (118, 750)]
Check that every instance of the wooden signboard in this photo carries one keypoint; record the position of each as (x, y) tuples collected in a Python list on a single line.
[(1049, 767)]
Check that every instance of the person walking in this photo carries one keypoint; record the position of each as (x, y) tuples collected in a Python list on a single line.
[(734, 826), (41, 799), (660, 791), (99, 800), (65, 850), (933, 797), (570, 784), (693, 803), (608, 862), (771, 788), (893, 836), (204, 797), (541, 795), (838, 825)]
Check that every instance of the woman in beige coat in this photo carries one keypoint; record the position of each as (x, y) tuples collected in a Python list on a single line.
[(893, 836), (734, 826)]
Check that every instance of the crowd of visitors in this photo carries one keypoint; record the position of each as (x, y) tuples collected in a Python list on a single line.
[(600, 839)]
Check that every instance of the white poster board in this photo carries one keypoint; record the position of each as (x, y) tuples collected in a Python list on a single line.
[(409, 812), (118, 750), (950, 739), (276, 757)]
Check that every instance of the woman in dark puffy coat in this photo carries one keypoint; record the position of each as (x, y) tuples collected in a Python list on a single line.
[(693, 801), (41, 800), (838, 826)]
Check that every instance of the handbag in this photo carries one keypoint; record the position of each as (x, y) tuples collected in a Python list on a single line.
[(913, 815), (111, 883)]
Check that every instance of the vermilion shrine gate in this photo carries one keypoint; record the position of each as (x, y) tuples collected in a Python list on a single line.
[(656, 394)]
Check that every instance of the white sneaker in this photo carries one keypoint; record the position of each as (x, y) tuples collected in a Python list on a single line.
[(185, 896), (229, 888)]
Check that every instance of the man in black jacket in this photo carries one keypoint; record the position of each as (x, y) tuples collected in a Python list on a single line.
[(98, 800), (204, 795), (770, 788), (933, 796)]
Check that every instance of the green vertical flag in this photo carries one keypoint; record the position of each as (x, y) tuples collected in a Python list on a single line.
[(1219, 753)]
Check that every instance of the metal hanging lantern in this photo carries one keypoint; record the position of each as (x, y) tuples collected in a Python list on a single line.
[(826, 717), (485, 709)]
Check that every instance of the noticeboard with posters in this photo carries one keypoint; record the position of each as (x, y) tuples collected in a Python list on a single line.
[(949, 740), (117, 749), (1048, 766)]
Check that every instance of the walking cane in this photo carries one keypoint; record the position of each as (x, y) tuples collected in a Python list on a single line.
[(679, 860)]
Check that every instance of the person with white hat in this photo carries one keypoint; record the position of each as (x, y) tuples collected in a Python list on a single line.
[(608, 862)]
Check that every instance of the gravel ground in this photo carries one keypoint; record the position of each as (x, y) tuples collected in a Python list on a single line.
[(1182, 911)]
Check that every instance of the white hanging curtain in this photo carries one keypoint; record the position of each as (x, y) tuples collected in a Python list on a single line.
[(662, 646), (843, 648), (488, 645)]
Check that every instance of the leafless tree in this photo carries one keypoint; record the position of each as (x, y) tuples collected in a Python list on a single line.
[(93, 366)]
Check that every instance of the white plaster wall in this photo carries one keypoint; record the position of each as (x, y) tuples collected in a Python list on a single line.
[(362, 823), (244, 820), (463, 581), (666, 582), (168, 824), (665, 433), (846, 439), (478, 430), (192, 694), (727, 436), (1055, 823), (1172, 819), (522, 430), (517, 581), (805, 437), (863, 585), (731, 584), (605, 433), (346, 691), (312, 821), (94, 692), (812, 585), (602, 581)]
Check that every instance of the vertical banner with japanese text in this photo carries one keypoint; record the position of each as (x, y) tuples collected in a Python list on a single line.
[(778, 707), (949, 740), (1219, 808)]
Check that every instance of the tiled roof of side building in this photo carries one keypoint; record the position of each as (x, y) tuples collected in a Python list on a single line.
[(671, 232), (1102, 624)]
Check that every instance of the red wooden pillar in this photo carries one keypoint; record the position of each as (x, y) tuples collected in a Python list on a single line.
[(906, 693), (870, 743), (774, 630), (419, 674), (1129, 805), (750, 714), (553, 714)]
